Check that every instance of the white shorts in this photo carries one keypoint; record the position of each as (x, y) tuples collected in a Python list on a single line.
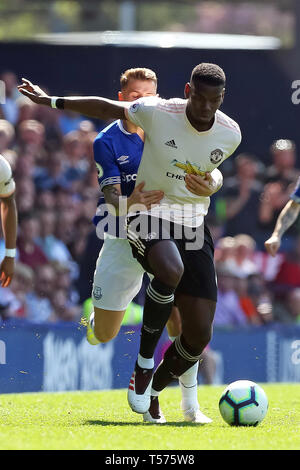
[(118, 276)]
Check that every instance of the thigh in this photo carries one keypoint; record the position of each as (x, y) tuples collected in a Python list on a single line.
[(199, 278), (118, 276), (154, 248)]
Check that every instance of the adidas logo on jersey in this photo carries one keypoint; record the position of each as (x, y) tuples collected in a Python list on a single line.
[(171, 143)]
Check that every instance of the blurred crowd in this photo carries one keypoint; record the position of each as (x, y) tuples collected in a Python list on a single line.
[(51, 154)]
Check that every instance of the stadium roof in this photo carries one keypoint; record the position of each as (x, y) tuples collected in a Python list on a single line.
[(162, 39)]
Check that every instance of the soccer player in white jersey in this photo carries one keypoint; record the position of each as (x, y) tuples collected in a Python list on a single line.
[(8, 221), (182, 136)]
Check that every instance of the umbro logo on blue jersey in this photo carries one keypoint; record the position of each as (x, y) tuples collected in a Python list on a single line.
[(123, 159), (171, 143)]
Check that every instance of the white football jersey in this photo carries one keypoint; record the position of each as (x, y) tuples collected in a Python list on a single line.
[(7, 184), (172, 148)]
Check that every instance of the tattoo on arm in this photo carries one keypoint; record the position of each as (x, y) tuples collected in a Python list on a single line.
[(112, 195), (287, 217)]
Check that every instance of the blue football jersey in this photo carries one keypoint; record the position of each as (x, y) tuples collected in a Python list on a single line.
[(117, 155), (296, 193)]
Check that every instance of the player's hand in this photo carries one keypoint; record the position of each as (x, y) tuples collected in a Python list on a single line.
[(34, 92), (7, 268), (200, 185), (272, 245), (141, 199)]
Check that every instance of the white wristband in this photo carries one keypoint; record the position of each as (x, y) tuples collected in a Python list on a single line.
[(53, 102), (10, 252)]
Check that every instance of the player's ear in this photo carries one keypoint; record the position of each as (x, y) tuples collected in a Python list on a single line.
[(187, 90), (223, 95), (120, 96)]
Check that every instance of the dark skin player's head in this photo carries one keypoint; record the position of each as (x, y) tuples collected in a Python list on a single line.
[(205, 94)]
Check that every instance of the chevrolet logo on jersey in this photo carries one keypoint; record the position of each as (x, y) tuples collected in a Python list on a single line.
[(188, 167)]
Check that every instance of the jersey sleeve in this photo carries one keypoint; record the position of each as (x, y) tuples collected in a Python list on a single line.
[(108, 170), (7, 183), (141, 112), (295, 196), (236, 141)]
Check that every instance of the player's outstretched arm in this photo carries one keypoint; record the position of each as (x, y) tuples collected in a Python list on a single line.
[(91, 106), (206, 185), (9, 228), (286, 218)]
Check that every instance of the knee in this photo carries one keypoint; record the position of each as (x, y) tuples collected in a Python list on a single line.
[(200, 333), (166, 263), (104, 336), (171, 273), (200, 337)]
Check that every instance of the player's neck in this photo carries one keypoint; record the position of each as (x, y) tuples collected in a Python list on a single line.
[(133, 129), (198, 125)]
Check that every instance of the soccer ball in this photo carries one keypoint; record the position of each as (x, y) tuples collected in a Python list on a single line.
[(243, 403)]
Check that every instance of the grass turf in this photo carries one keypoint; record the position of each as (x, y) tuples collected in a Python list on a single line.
[(103, 421)]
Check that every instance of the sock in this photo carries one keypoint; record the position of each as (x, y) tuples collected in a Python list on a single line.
[(189, 388), (157, 309), (178, 358), (145, 363)]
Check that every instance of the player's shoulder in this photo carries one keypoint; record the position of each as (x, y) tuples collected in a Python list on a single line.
[(172, 105), (156, 102), (108, 132), (5, 169), (225, 121)]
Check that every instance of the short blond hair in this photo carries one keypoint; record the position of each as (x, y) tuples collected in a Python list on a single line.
[(140, 73)]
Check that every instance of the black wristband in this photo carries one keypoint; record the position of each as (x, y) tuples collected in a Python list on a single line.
[(60, 103)]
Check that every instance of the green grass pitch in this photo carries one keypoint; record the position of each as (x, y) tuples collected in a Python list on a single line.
[(103, 421)]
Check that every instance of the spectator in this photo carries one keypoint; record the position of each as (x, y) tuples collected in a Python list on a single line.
[(65, 277), (288, 311), (26, 109), (77, 164), (31, 137), (241, 193), (29, 251), (7, 135), (246, 302), (64, 310), (52, 174), (39, 305), (242, 263), (261, 297), (9, 109), (54, 249), (69, 121), (289, 272), (21, 286), (224, 251), (229, 312), (25, 195)]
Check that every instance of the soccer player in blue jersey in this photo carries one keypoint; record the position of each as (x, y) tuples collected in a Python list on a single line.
[(285, 220)]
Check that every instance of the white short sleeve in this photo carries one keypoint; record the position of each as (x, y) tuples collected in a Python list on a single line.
[(7, 184), (141, 112)]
